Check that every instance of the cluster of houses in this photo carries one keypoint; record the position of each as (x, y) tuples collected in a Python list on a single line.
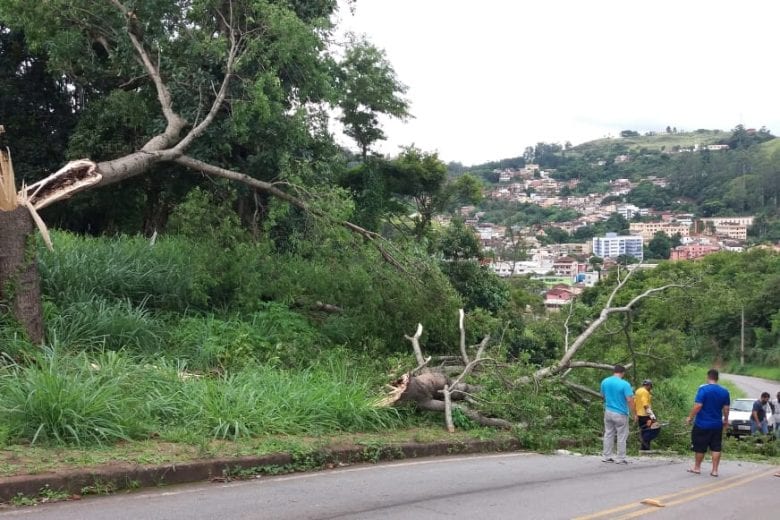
[(566, 269)]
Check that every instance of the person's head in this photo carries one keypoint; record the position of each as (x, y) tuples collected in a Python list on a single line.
[(619, 370), (648, 383), (764, 397), (712, 375)]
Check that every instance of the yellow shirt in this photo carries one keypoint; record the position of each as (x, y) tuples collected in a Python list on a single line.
[(642, 398)]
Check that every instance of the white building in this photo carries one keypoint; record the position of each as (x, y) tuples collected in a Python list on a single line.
[(613, 245)]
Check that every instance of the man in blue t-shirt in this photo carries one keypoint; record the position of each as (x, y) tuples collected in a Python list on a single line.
[(618, 405), (711, 410), (758, 420)]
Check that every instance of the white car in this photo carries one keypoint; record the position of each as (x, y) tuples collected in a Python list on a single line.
[(739, 417)]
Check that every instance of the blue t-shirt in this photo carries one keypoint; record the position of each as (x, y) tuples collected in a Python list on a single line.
[(712, 398), (615, 391)]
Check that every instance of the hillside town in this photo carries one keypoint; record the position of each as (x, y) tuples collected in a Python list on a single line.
[(567, 268)]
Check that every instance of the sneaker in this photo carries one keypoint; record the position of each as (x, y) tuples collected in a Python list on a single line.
[(608, 460), (621, 461)]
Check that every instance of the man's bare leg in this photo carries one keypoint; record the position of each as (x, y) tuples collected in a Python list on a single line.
[(715, 463), (697, 460)]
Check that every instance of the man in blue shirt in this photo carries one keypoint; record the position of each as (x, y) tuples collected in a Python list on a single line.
[(758, 419), (711, 410), (618, 405)]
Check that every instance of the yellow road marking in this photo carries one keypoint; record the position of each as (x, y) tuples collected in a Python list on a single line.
[(683, 500), (697, 491)]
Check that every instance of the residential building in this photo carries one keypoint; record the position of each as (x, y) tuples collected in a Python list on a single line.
[(647, 230), (613, 245), (566, 266), (627, 211), (692, 251)]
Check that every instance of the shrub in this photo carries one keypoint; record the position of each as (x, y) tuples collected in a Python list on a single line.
[(274, 336)]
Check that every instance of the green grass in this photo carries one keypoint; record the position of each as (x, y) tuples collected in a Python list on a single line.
[(64, 399), (657, 142)]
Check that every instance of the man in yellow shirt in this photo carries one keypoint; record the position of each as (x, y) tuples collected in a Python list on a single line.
[(644, 414)]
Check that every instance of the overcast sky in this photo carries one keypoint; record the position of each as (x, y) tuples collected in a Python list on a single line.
[(487, 78)]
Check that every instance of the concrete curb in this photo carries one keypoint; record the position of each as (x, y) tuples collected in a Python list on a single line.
[(111, 478)]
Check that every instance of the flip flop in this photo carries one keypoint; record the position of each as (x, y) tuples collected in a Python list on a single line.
[(713, 474), (691, 470)]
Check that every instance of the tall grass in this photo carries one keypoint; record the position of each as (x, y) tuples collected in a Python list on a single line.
[(168, 275), (318, 400), (80, 399), (97, 323), (70, 400)]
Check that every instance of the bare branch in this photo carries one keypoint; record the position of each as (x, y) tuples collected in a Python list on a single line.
[(220, 97), (463, 352), (566, 327), (175, 122), (566, 361), (267, 187), (416, 346), (592, 364), (583, 389)]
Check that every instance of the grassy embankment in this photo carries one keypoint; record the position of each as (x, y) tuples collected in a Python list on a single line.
[(140, 369)]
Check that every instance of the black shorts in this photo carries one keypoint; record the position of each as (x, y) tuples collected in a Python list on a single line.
[(702, 438)]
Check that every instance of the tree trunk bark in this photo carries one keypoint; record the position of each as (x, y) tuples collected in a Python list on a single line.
[(20, 288)]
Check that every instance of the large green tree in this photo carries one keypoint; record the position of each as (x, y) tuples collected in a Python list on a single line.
[(367, 87), (218, 83)]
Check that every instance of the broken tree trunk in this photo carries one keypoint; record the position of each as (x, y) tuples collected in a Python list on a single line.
[(20, 291), (430, 389)]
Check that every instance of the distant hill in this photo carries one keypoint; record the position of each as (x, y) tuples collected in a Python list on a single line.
[(659, 141), (771, 147)]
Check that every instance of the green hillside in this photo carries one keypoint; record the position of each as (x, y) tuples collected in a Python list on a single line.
[(660, 141), (771, 147)]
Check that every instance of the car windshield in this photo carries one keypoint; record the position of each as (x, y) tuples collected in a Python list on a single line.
[(742, 405)]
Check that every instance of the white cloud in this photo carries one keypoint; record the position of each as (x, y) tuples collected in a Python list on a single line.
[(488, 78)]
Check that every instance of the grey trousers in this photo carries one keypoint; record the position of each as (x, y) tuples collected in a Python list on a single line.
[(615, 424)]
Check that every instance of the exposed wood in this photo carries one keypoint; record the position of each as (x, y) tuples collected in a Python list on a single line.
[(8, 200), (433, 390)]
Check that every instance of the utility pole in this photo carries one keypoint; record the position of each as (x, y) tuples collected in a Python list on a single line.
[(742, 338)]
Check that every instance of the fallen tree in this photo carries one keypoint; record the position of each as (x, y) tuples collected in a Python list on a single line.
[(431, 389), (435, 388)]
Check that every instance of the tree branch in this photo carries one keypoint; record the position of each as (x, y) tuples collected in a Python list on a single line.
[(175, 122), (415, 340), (462, 329), (220, 98), (267, 187)]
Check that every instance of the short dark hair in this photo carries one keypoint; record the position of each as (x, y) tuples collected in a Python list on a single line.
[(713, 374), (765, 394), (620, 369)]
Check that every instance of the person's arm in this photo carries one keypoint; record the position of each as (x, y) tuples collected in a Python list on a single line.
[(693, 412), (755, 418), (631, 407), (726, 416)]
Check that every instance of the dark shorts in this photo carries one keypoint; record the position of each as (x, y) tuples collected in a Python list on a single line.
[(702, 438)]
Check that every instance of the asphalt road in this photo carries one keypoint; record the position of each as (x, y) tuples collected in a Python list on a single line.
[(517, 486), (498, 486), (754, 386)]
